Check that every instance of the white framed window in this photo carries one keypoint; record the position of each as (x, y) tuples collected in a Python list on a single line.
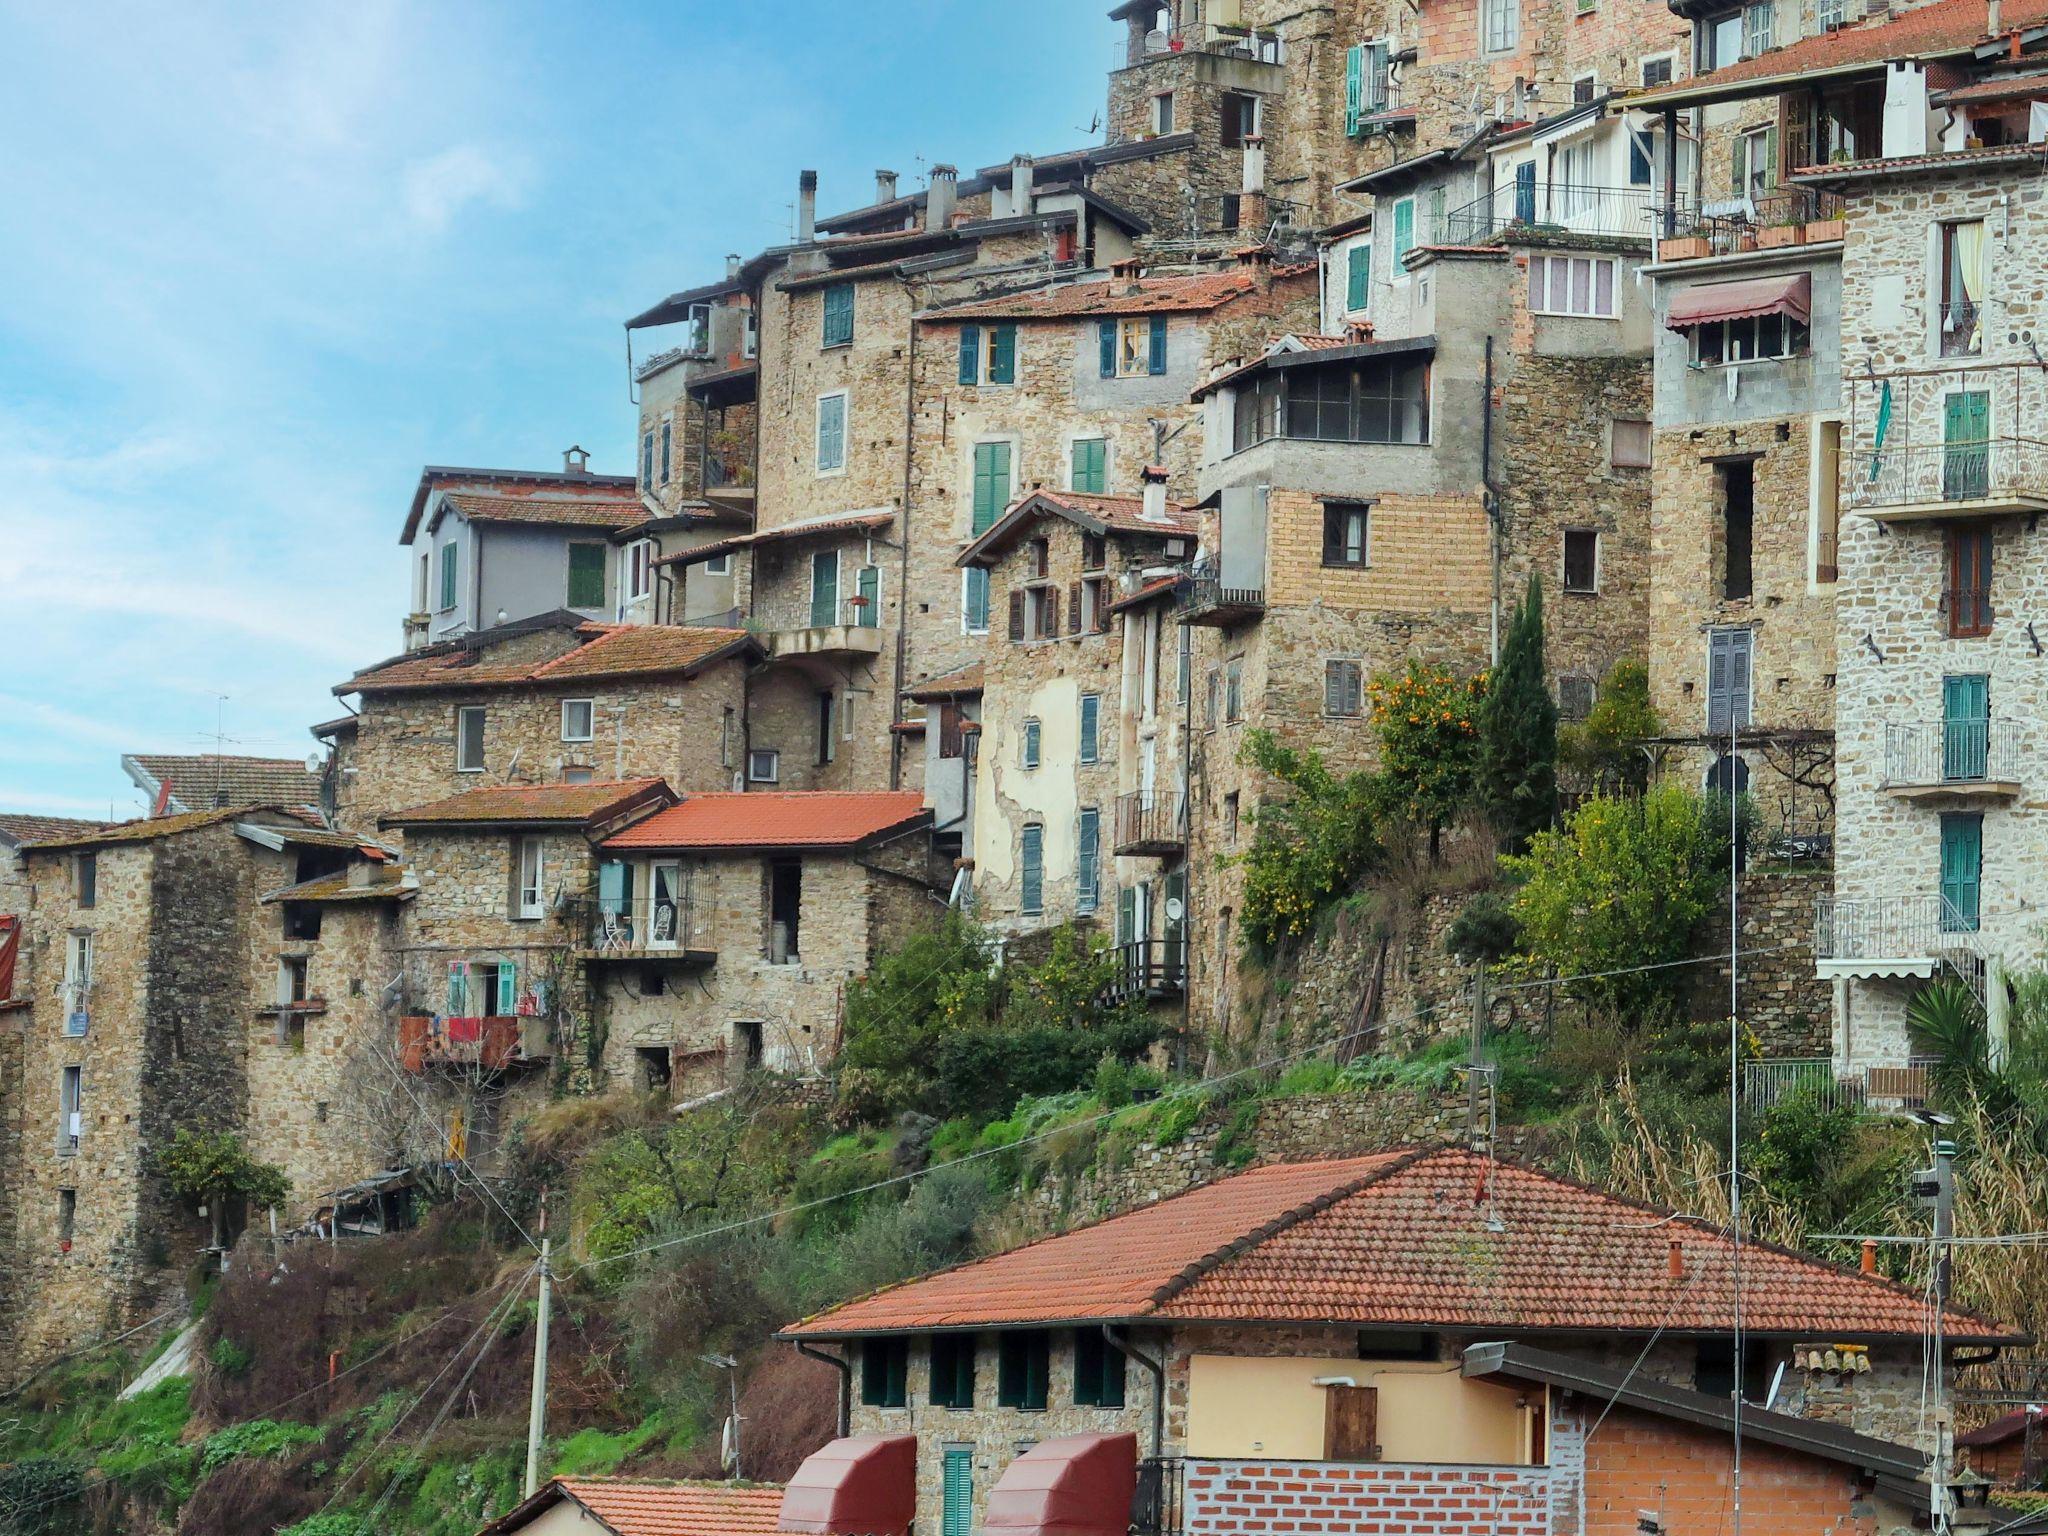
[(1759, 28), (1756, 163), (1582, 560), (1572, 285), (832, 433), (294, 983), (1657, 69), (1233, 689), (1162, 113), (1628, 443), (579, 719), (532, 879), (718, 565), (974, 600), (469, 739), (1584, 88), (70, 1109), (1403, 240), (1500, 25), (763, 766), (450, 560), (1747, 340), (77, 979), (639, 568)]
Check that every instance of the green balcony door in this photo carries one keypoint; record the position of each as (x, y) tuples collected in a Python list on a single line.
[(1962, 871), (957, 1515), (824, 588), (1965, 726), (1966, 445)]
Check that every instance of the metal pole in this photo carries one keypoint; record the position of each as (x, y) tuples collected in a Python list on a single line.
[(537, 1412), (1475, 1055), (1735, 708), (732, 1381), (1944, 1227)]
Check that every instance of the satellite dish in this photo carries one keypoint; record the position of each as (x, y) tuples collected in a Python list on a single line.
[(1175, 909)]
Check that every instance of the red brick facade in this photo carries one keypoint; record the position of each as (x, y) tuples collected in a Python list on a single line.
[(1235, 1498)]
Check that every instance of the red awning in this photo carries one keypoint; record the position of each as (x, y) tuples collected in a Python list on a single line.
[(1077, 1486), (1704, 303), (862, 1485)]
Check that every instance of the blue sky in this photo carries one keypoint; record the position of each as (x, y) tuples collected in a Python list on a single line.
[(259, 263)]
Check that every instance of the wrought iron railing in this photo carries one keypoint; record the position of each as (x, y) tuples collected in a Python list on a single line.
[(649, 924), (1156, 1500), (1201, 37), (1148, 968), (1151, 818), (1974, 469), (1733, 225), (1891, 928), (1959, 752), (1618, 212), (1768, 1083), (1200, 589)]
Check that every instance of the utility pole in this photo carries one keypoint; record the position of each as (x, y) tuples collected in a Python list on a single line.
[(1475, 1060), (537, 1412), (1936, 1187)]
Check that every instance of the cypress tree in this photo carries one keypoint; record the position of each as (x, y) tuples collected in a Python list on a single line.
[(1518, 732)]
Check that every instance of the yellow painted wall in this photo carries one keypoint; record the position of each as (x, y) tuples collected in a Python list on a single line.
[(1242, 1406)]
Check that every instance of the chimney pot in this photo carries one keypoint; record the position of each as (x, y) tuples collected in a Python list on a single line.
[(1675, 1260), (885, 186), (732, 264), (1154, 478), (1869, 1265), (942, 197), (1994, 16), (1022, 168), (806, 207), (575, 461)]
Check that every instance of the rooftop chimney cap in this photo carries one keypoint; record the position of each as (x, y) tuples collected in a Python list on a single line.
[(732, 263), (575, 461), (885, 186), (1675, 1262), (1153, 474)]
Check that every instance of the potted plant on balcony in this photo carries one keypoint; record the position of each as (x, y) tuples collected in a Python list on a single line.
[(1818, 230), (1787, 229), (1683, 247)]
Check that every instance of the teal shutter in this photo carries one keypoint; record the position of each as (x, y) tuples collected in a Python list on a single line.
[(1358, 277), (991, 484), (1354, 88), (1966, 452), (1087, 881), (1105, 334), (1158, 358), (614, 887), (1091, 727), (1965, 727), (448, 562), (1002, 361), (958, 1492), (1091, 465), (868, 586), (1031, 861), (975, 599), (970, 354), (838, 314), (508, 989), (824, 588), (458, 988), (1404, 231), (1962, 870)]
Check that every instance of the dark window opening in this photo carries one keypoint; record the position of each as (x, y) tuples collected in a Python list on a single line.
[(1098, 1370), (747, 1036), (952, 1370), (1396, 1344), (885, 1373), (1025, 1363), (1713, 1370), (828, 739), (654, 1065), (1738, 519), (67, 1215), (1581, 560), (302, 920), (785, 904), (1240, 118), (85, 874)]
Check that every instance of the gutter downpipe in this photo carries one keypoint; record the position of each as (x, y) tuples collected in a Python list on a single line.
[(1492, 494), (1156, 1369), (903, 556), (845, 1369)]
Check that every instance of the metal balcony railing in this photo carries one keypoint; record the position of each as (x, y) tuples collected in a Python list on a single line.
[(1629, 213), (1890, 928), (1734, 225), (650, 924), (1148, 968), (1151, 821), (1992, 469), (1767, 1083), (1200, 592), (1201, 37), (1949, 752)]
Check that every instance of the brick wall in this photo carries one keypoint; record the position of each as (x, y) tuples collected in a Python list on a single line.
[(1224, 1498)]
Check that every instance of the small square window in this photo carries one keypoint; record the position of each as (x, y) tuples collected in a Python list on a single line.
[(1581, 560), (1629, 444), (579, 718), (1162, 113), (1574, 696), (1346, 527), (764, 767), (1343, 689)]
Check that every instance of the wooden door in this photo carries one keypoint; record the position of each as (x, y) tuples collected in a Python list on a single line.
[(1351, 1424)]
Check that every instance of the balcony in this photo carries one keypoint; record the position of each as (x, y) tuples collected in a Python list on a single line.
[(1151, 822), (1228, 41), (1894, 936), (1556, 208), (491, 1044), (1200, 597), (1951, 481), (1791, 218), (1766, 1084), (652, 929), (1148, 970), (853, 629), (1951, 760)]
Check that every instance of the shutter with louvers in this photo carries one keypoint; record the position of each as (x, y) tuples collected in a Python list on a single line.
[(1073, 607), (1016, 615), (1002, 357), (869, 588), (1105, 335), (957, 1512), (1031, 865), (1091, 727), (1333, 688), (508, 989), (970, 354), (1358, 278), (1354, 88), (1052, 612), (1158, 354), (458, 988), (1089, 856), (991, 484)]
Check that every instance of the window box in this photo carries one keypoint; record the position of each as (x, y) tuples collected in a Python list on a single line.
[(1821, 230), (1684, 248)]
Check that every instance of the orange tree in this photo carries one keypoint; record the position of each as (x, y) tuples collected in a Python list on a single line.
[(1427, 719)]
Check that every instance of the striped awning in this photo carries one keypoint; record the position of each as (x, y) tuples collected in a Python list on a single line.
[(1704, 303)]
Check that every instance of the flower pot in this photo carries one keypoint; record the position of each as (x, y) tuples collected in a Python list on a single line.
[(1683, 248), (1773, 236)]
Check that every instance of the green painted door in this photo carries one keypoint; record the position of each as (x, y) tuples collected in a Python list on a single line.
[(1962, 870), (959, 1491), (991, 484), (1966, 445), (824, 588), (1965, 726)]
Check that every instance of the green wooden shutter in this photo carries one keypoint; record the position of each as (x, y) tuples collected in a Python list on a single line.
[(448, 563), (1965, 726), (1354, 88), (1105, 335), (1966, 453), (1358, 277), (1031, 860), (991, 484), (838, 314), (508, 989), (1091, 465), (1087, 882), (974, 598), (1158, 355), (1126, 914), (958, 1504), (458, 988), (1404, 231), (1002, 362), (1091, 727), (1962, 870), (1111, 1391), (970, 354), (824, 588), (586, 575), (868, 586)]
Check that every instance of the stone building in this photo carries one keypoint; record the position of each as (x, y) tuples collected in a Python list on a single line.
[(697, 394), (1367, 1346), (1080, 765), (727, 926), (552, 699)]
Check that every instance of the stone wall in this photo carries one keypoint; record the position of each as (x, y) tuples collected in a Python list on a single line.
[(1783, 1003)]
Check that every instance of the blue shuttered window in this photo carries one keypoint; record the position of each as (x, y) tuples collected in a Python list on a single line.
[(1358, 277), (970, 354), (957, 1517), (1031, 870), (1087, 874), (838, 315), (991, 484), (1158, 352), (1105, 335), (1091, 726), (1002, 355)]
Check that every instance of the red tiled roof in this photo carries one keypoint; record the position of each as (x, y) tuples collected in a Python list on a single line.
[(1126, 514), (607, 650), (1412, 1239), (859, 522), (504, 804), (1947, 26), (1997, 88), (1119, 296), (1959, 159), (655, 1509), (206, 782), (507, 482), (776, 819), (23, 827), (563, 512), (948, 685), (1144, 594)]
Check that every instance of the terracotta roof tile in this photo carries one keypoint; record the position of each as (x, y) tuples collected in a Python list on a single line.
[(553, 512), (1144, 594), (1412, 1239), (387, 883), (567, 804), (776, 819), (1118, 296), (1126, 514), (633, 1508), (948, 685), (204, 782), (1997, 88), (1959, 159), (148, 829), (23, 827), (606, 650)]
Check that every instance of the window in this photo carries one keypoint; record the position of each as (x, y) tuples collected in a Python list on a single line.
[(838, 326), (1027, 751), (1572, 285), (449, 563), (1343, 689), (1755, 164), (1088, 860), (1713, 1372), (1212, 704), (1035, 613), (1830, 14), (828, 739), (1738, 522), (1162, 113), (1574, 696), (579, 719), (67, 1217), (974, 600), (1091, 727), (1628, 443), (668, 437), (867, 597), (1375, 79), (1233, 689), (1230, 813), (1719, 40), (956, 1486), (1088, 468), (832, 433), (1500, 25), (1759, 28), (1098, 1371), (586, 576), (647, 459), (988, 354), (1827, 500), (1240, 114), (1641, 172), (1357, 280), (824, 588), (1746, 340), (85, 878), (1962, 287), (991, 484), (1584, 88), (1967, 589), (1404, 237), (952, 1371), (1184, 661), (718, 565), (1023, 1364), (469, 739), (885, 1373), (1345, 526), (1031, 870), (70, 1109), (77, 980), (532, 901), (1133, 346), (785, 907), (577, 775), (1581, 560), (1656, 71), (1094, 551), (1729, 657), (639, 569), (763, 766)]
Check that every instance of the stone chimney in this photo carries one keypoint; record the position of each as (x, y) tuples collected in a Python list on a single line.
[(1128, 272), (943, 197), (806, 207), (1251, 205), (575, 461), (732, 265), (1154, 510), (1021, 169), (362, 874), (885, 186), (1994, 18)]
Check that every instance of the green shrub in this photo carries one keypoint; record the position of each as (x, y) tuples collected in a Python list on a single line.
[(206, 1166), (231, 1357), (1518, 731), (1309, 846), (259, 1438), (40, 1494), (1605, 750)]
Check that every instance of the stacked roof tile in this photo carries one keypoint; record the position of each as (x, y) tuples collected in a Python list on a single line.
[(607, 650), (22, 827), (1118, 296), (552, 512), (785, 819), (634, 1508), (529, 804), (205, 782)]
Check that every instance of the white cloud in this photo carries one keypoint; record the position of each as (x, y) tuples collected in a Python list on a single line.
[(441, 186)]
